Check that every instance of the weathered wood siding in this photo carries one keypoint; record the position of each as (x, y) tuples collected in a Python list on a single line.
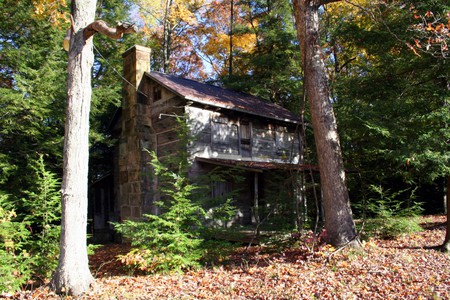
[(218, 135), (164, 113)]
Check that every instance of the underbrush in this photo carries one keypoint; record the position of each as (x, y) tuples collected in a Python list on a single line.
[(390, 228), (391, 217), (29, 232)]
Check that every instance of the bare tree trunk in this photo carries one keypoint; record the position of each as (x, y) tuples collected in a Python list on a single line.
[(446, 244), (73, 275), (167, 36), (338, 215), (230, 59)]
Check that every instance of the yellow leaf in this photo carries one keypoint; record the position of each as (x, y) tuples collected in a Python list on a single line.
[(39, 10)]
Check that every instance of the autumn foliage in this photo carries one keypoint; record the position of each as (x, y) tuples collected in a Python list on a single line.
[(56, 12), (432, 32)]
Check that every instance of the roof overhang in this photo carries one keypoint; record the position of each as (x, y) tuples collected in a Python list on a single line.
[(230, 107), (193, 98)]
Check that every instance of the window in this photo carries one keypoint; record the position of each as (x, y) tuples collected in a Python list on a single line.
[(224, 137), (245, 137), (286, 143), (157, 94), (246, 133)]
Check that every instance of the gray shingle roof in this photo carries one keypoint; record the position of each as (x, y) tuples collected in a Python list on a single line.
[(223, 98)]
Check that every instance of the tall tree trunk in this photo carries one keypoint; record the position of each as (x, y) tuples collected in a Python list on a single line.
[(338, 215), (446, 244), (230, 59), (167, 36), (73, 275)]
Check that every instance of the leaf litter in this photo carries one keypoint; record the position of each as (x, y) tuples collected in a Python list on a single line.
[(408, 267)]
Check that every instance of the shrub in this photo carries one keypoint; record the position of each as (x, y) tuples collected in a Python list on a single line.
[(159, 245), (29, 231), (221, 207), (14, 259), (217, 252), (392, 217), (222, 213), (43, 212), (170, 241), (392, 227)]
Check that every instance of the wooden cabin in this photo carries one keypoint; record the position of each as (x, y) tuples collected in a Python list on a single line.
[(227, 129)]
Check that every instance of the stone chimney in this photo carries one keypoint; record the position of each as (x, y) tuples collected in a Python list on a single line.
[(134, 174)]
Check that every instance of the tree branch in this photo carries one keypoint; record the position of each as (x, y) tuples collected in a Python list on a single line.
[(103, 28), (339, 69), (323, 2)]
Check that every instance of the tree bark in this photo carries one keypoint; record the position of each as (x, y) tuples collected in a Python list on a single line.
[(338, 215), (72, 275), (167, 36), (230, 59), (446, 244)]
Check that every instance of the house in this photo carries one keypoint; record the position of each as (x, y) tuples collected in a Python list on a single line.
[(229, 129)]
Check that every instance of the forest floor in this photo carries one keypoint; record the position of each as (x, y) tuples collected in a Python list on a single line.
[(408, 267)]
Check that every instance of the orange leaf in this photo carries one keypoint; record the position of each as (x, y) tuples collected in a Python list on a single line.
[(417, 43), (439, 27), (413, 49)]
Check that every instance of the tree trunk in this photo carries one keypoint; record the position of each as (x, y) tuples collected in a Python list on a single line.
[(167, 36), (338, 215), (230, 59), (73, 275), (446, 244)]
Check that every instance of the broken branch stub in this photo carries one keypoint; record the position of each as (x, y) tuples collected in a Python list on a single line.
[(103, 28)]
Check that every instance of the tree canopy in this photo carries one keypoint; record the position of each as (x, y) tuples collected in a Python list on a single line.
[(392, 103)]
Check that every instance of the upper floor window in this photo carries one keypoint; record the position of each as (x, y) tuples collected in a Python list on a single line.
[(224, 137), (245, 131), (157, 94)]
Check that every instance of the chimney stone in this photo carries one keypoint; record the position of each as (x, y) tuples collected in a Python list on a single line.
[(133, 163)]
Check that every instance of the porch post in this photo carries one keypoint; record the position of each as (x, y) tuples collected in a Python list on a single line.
[(256, 202)]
